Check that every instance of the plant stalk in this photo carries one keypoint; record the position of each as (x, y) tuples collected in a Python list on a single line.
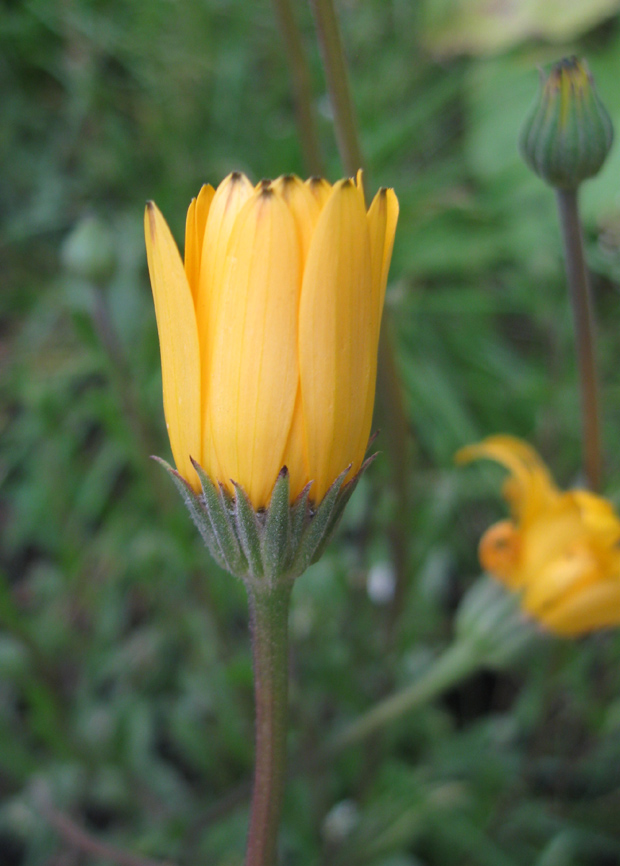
[(336, 73), (269, 608), (458, 661), (301, 83), (581, 302)]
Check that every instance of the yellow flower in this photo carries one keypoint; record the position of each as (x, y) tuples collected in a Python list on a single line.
[(560, 549), (269, 331)]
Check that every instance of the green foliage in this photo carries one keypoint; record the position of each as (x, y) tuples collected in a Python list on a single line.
[(125, 675)]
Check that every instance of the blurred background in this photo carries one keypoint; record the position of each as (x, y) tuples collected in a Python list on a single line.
[(126, 706)]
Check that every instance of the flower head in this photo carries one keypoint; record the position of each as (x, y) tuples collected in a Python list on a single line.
[(269, 330), (561, 550), (568, 134)]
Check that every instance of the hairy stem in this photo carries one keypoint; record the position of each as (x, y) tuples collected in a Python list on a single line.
[(269, 623)]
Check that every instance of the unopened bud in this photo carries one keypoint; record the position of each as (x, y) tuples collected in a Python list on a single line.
[(569, 133)]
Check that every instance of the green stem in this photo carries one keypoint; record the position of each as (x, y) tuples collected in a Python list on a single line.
[(269, 624), (389, 391), (458, 661), (583, 316), (302, 89), (334, 62)]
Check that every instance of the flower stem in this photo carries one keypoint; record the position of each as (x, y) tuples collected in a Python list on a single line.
[(581, 303), (334, 62), (457, 662), (269, 624), (302, 89)]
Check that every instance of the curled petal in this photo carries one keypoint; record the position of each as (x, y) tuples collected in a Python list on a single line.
[(531, 489)]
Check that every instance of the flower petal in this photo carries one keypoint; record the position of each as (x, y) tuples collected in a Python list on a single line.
[(254, 374), (320, 189), (195, 222), (499, 552), (303, 205), (178, 342), (382, 219), (531, 489), (597, 606), (230, 196), (336, 337)]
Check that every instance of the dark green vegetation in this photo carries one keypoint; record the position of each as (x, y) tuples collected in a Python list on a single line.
[(125, 677)]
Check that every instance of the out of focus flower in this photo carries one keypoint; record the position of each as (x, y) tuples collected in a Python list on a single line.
[(269, 331), (560, 550)]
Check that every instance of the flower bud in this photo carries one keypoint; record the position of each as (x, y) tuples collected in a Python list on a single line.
[(568, 134)]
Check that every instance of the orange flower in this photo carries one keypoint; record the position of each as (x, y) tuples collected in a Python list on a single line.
[(269, 331), (560, 549)]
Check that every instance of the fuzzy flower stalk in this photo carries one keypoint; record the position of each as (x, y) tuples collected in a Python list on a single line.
[(269, 334), (560, 550)]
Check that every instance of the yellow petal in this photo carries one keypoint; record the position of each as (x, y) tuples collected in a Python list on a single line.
[(195, 222), (336, 337), (303, 205), (296, 451), (320, 189), (499, 552), (254, 375), (531, 489), (230, 196), (598, 517), (560, 577), (382, 219), (598, 606), (178, 342)]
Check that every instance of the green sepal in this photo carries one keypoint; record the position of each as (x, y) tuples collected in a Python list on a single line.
[(271, 546), (300, 514), (221, 524), (275, 546), (196, 510), (341, 503), (312, 537), (248, 531)]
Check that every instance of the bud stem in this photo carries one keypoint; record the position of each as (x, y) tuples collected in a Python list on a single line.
[(269, 608), (301, 84), (458, 661), (335, 65), (581, 302)]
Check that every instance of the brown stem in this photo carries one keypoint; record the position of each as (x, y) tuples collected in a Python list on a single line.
[(77, 837), (581, 302), (302, 89)]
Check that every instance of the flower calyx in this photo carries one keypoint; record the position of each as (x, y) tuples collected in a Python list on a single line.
[(275, 544)]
